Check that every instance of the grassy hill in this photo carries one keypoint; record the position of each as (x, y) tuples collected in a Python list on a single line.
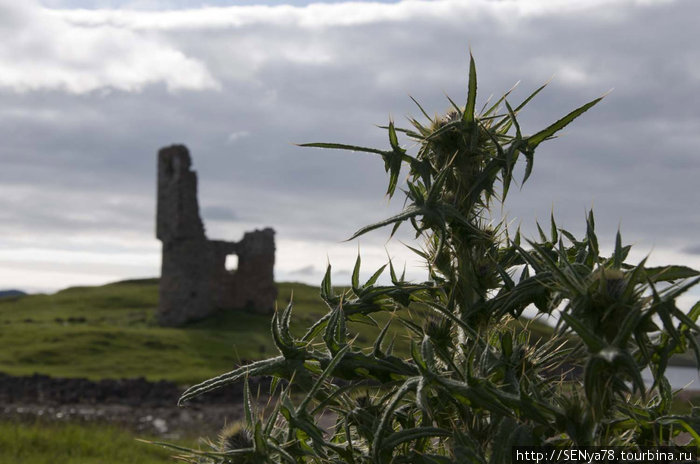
[(110, 331)]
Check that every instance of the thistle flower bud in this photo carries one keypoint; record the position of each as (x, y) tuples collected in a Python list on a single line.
[(234, 436), (612, 282)]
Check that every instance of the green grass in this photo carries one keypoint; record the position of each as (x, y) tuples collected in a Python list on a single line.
[(42, 443), (110, 331)]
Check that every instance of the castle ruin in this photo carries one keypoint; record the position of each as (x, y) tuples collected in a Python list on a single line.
[(194, 280)]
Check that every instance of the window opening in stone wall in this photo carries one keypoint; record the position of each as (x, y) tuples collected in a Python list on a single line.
[(232, 263)]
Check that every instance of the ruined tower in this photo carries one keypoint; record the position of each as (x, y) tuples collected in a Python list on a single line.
[(194, 280)]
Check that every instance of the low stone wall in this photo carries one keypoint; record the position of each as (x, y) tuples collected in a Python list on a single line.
[(42, 389)]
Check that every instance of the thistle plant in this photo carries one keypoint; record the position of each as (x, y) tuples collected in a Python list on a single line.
[(475, 383)]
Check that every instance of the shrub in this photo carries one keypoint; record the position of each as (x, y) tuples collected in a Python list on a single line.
[(475, 384)]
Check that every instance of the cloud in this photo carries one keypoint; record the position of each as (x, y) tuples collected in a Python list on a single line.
[(345, 14), (306, 270), (41, 51), (244, 84), (233, 136), (693, 250), (218, 213)]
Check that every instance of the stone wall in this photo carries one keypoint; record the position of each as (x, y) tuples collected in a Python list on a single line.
[(42, 389), (194, 280)]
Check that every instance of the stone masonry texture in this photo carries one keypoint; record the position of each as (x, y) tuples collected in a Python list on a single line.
[(194, 280)]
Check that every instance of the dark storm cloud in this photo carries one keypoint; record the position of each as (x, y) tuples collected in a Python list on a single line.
[(79, 153)]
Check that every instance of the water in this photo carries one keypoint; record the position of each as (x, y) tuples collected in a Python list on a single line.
[(678, 377)]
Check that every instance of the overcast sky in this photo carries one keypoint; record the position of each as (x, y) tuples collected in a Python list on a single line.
[(90, 90)]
